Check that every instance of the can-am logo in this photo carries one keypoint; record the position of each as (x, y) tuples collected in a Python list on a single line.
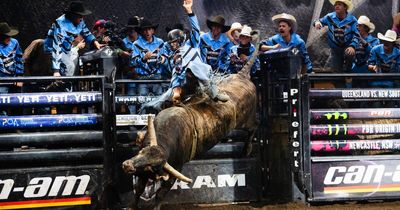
[(223, 180), (39, 187), (360, 174)]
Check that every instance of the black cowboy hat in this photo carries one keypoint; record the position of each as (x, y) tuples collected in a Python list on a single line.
[(218, 20), (5, 29), (147, 24), (134, 22), (76, 7)]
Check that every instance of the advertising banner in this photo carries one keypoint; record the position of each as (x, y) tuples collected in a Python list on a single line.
[(355, 179)]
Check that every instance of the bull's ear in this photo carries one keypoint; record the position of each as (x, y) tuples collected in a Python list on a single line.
[(151, 132), (176, 173)]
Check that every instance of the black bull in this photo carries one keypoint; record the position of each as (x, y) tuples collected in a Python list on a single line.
[(182, 133)]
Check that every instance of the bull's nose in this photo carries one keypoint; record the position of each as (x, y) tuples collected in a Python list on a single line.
[(127, 166)]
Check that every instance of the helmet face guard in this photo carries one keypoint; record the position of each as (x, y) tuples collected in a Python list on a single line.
[(176, 35)]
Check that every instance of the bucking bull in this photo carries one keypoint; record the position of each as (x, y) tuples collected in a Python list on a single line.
[(181, 133)]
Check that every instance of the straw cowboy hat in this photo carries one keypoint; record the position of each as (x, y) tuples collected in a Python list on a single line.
[(5, 29), (219, 21), (285, 17), (246, 31), (236, 26), (364, 20), (348, 3), (76, 7), (390, 36)]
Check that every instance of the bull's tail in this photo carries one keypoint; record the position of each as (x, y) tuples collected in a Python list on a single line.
[(247, 68)]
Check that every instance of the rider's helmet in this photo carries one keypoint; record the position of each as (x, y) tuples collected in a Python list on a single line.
[(176, 35)]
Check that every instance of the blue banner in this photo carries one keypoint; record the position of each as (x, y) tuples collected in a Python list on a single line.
[(50, 98), (43, 121)]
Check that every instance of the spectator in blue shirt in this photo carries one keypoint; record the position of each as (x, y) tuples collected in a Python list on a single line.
[(64, 31), (385, 58), (147, 60), (362, 44), (242, 52), (234, 33), (215, 44), (132, 35), (342, 27), (11, 62), (287, 38)]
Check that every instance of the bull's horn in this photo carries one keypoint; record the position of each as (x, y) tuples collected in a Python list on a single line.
[(140, 137), (176, 173), (151, 132)]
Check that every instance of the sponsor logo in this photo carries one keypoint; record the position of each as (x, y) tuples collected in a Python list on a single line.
[(360, 174), (295, 127), (222, 180), (40, 187)]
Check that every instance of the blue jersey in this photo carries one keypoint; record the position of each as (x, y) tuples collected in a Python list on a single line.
[(11, 63), (341, 32), (386, 63), (234, 66), (60, 37), (295, 41), (215, 51), (153, 65), (128, 43), (363, 51)]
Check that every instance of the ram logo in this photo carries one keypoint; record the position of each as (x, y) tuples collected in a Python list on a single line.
[(223, 180)]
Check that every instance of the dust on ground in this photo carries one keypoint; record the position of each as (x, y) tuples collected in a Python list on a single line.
[(343, 206)]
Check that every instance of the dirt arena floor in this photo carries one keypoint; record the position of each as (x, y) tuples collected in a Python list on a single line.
[(346, 206)]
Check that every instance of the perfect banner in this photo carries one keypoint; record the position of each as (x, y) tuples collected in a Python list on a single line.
[(356, 93), (332, 115), (50, 98), (43, 121), (332, 146), (334, 130)]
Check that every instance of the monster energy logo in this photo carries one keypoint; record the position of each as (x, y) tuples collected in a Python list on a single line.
[(337, 129), (337, 116)]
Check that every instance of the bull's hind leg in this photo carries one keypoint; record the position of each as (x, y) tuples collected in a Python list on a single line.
[(248, 146)]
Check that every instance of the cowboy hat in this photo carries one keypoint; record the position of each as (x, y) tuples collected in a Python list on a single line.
[(219, 21), (364, 20), (390, 36), (76, 7), (236, 26), (5, 29), (134, 22), (246, 31), (285, 17), (147, 24), (348, 3)]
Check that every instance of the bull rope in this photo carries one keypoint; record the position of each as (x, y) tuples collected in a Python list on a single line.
[(195, 137)]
